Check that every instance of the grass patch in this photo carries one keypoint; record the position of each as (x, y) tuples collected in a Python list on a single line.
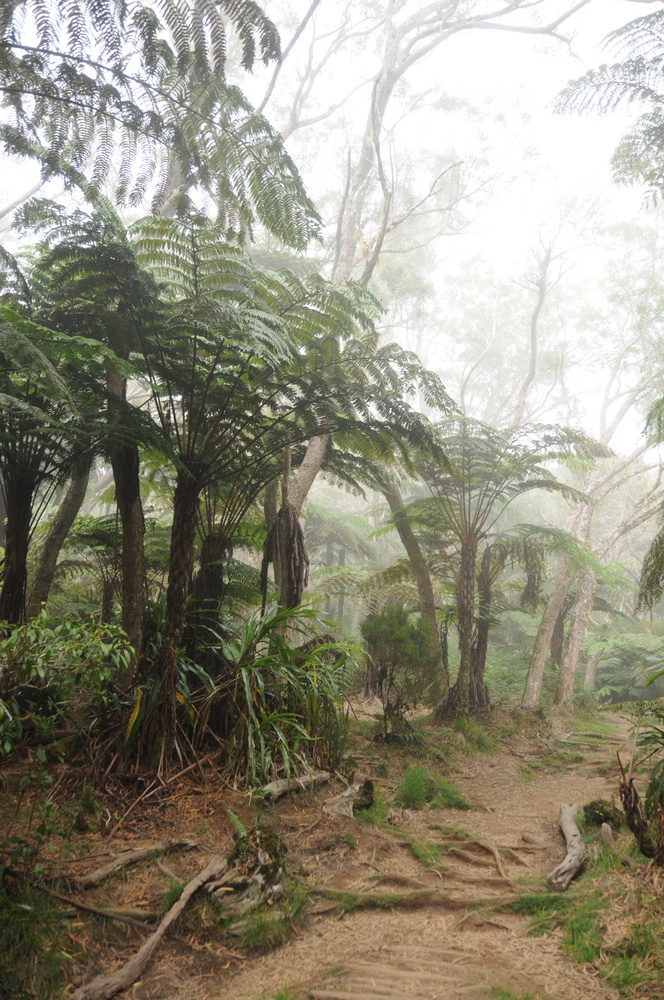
[(479, 739), (635, 959), (34, 962), (347, 902), (428, 854), (173, 893), (375, 815), (498, 993), (351, 842), (419, 787), (268, 928)]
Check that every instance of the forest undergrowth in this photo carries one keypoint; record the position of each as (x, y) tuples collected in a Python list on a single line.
[(445, 835)]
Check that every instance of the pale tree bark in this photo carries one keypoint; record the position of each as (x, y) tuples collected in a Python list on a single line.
[(542, 285), (643, 511), (56, 535), (591, 671), (311, 465), (533, 687), (583, 605)]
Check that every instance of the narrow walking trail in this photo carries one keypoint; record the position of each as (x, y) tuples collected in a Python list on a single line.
[(437, 944)]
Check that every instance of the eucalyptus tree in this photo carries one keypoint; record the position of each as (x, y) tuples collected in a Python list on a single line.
[(486, 470)]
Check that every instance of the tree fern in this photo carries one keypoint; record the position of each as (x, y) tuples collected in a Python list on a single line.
[(124, 84), (637, 79)]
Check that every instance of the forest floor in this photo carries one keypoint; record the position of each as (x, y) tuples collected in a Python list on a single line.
[(422, 910)]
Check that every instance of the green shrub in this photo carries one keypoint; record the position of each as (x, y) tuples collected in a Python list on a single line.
[(277, 705), (403, 664), (57, 674)]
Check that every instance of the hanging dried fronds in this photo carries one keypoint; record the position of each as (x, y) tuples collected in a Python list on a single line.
[(285, 548), (636, 819)]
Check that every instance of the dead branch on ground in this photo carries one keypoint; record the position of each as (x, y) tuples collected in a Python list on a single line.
[(106, 986)]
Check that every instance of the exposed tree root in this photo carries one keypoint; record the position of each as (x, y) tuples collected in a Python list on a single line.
[(348, 901)]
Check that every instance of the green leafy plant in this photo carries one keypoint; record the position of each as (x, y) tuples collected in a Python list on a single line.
[(57, 673), (279, 708)]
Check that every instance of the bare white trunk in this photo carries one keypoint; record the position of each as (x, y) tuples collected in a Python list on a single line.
[(533, 687)]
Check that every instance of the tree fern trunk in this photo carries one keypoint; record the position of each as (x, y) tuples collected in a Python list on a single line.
[(18, 494), (479, 693), (465, 610), (126, 474), (57, 533), (125, 462), (180, 569)]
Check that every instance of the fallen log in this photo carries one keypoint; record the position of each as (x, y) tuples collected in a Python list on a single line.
[(282, 786), (106, 986), (355, 795), (126, 858), (562, 874)]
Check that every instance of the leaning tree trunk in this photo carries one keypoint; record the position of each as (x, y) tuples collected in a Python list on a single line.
[(583, 605), (591, 671), (18, 493), (57, 533), (557, 644), (284, 545), (533, 687), (426, 599)]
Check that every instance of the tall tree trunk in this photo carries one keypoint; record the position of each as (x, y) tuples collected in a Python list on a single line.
[(583, 605), (126, 474), (126, 464), (427, 602), (3, 516), (340, 606), (479, 693), (208, 587), (533, 687), (18, 494), (591, 671), (465, 588), (557, 644), (107, 593), (57, 533), (180, 570)]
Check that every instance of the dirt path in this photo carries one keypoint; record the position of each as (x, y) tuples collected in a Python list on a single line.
[(443, 949)]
